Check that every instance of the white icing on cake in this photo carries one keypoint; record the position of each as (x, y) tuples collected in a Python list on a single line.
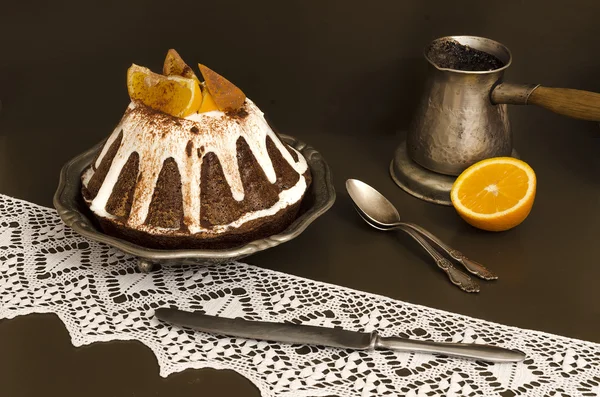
[(155, 141)]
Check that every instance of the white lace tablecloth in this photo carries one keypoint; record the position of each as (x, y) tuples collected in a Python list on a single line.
[(100, 296)]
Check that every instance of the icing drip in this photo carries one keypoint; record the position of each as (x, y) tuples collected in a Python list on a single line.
[(157, 137)]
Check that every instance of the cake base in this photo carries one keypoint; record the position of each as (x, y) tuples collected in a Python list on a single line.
[(250, 231), (421, 182)]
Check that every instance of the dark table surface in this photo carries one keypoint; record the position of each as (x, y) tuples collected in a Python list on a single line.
[(343, 76)]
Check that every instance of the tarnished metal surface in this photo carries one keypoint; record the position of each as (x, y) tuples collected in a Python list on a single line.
[(336, 337), (512, 94), (456, 123), (418, 181)]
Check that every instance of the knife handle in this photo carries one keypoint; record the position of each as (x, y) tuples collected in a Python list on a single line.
[(465, 350)]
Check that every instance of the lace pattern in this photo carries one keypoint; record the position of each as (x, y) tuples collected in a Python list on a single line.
[(99, 295)]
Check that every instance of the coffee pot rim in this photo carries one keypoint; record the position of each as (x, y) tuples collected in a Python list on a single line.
[(470, 40)]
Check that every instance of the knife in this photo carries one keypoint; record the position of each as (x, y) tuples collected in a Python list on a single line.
[(333, 337)]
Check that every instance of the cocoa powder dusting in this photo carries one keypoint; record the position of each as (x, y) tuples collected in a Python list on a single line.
[(240, 113), (155, 121), (187, 71)]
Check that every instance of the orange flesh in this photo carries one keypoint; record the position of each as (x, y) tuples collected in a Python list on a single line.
[(208, 103), (494, 188), (177, 96)]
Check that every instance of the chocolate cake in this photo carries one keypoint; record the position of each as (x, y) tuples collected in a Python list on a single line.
[(209, 180)]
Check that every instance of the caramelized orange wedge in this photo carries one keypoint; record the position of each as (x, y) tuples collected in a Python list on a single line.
[(225, 94), (175, 66)]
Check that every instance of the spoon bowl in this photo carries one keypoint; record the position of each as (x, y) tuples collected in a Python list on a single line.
[(372, 204)]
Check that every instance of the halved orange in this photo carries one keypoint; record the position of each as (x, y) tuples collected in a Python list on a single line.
[(495, 194), (175, 95)]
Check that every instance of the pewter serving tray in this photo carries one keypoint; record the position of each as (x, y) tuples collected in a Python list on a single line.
[(75, 214)]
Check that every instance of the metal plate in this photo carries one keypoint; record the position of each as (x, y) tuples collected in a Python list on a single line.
[(319, 197)]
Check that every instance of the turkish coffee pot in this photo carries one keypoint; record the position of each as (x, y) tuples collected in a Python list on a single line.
[(463, 118)]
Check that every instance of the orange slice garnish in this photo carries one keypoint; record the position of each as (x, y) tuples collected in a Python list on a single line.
[(175, 95), (208, 103)]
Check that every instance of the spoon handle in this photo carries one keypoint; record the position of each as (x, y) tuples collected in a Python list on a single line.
[(456, 276), (472, 266)]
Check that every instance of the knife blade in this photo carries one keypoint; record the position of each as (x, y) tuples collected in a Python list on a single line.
[(332, 337)]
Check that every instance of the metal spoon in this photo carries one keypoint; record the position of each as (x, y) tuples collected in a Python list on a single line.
[(456, 276), (469, 264), (382, 214)]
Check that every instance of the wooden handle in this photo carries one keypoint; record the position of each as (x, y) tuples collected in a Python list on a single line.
[(578, 104)]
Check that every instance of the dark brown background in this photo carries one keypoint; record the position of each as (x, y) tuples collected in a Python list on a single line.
[(343, 76)]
